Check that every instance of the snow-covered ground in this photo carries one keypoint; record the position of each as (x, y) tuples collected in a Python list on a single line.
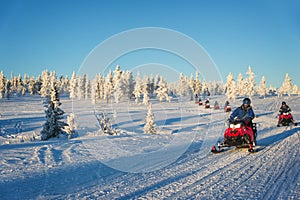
[(174, 164)]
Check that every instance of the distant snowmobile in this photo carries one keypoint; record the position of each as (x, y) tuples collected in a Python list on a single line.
[(285, 119), (216, 105), (227, 107), (200, 102), (207, 105), (238, 134)]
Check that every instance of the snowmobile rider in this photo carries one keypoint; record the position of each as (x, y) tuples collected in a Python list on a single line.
[(226, 104), (244, 113), (285, 109)]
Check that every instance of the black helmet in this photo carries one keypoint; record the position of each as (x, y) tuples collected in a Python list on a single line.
[(283, 103), (247, 101)]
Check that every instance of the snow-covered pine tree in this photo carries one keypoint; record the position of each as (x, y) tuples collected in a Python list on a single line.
[(97, 90), (45, 83), (31, 86), (138, 88), (119, 89), (3, 81), (53, 126), (197, 85), (145, 90), (108, 87), (262, 89), (7, 89), (73, 86), (204, 88), (150, 126), (129, 83), (183, 85), (192, 85), (117, 74), (240, 85), (65, 84), (286, 87), (230, 87), (162, 91), (80, 87), (295, 90), (87, 87), (152, 85), (71, 126), (251, 83)]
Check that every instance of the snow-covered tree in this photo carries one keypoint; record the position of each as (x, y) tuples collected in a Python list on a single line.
[(119, 89), (53, 126), (145, 90), (7, 89), (64, 84), (152, 85), (129, 82), (73, 86), (250, 83), (45, 84), (138, 88), (80, 87), (108, 87), (286, 87), (117, 74), (204, 89), (97, 90), (71, 126), (3, 81), (183, 85), (295, 90), (262, 89), (150, 126), (230, 87), (32, 86), (240, 85), (198, 88), (162, 91), (87, 87)]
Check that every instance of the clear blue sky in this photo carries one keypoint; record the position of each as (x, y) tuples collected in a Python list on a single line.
[(58, 34)]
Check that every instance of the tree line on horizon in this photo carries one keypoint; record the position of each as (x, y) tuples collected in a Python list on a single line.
[(120, 85)]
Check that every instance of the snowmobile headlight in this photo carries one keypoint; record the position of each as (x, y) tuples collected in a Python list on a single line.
[(234, 126)]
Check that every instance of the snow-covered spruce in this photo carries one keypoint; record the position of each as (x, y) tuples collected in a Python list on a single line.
[(53, 126), (71, 126), (150, 126)]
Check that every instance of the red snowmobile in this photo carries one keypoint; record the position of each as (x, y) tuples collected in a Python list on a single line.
[(216, 106), (200, 103), (285, 119), (227, 108), (207, 105), (237, 134)]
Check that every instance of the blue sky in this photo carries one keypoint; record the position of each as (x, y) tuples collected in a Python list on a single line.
[(58, 35)]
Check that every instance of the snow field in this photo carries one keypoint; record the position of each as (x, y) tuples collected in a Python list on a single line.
[(71, 169)]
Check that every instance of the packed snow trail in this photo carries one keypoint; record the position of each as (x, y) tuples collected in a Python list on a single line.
[(66, 169)]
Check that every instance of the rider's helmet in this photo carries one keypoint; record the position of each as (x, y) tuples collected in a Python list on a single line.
[(247, 101)]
